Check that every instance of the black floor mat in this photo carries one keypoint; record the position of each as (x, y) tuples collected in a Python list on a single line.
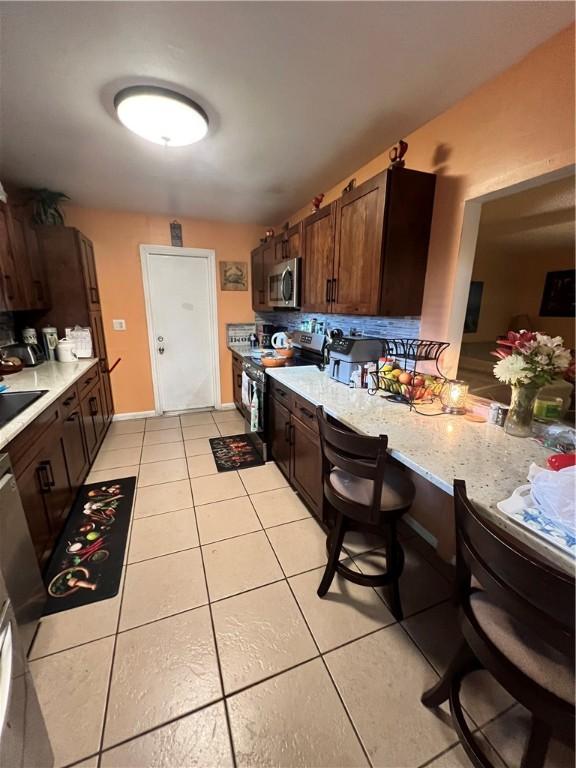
[(234, 452), (86, 565)]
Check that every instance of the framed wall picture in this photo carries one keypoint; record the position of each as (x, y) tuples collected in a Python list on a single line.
[(234, 275), (473, 306), (558, 296)]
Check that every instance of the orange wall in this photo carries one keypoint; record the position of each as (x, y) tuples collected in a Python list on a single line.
[(117, 236), (515, 127)]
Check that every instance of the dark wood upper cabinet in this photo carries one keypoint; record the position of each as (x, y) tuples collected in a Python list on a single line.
[(293, 241), (366, 254), (288, 244), (408, 220), (89, 269), (30, 267), (358, 247), (14, 270), (279, 248), (258, 284), (318, 256)]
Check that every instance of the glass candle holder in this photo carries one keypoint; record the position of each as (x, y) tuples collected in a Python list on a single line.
[(453, 396)]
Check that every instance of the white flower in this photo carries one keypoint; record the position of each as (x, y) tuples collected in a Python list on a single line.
[(513, 370), (561, 359)]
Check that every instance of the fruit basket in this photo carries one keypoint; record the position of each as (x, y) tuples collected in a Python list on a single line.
[(398, 371)]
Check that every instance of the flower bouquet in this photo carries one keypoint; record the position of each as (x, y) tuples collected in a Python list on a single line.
[(527, 362)]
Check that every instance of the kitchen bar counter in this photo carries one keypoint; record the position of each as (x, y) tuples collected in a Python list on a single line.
[(439, 448), (52, 376)]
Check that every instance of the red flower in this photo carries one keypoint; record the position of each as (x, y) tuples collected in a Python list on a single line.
[(513, 341)]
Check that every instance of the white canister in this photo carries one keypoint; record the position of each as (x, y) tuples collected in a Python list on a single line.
[(65, 351), (29, 336), (50, 336)]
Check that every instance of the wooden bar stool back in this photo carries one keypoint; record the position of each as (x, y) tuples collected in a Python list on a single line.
[(365, 491), (517, 621)]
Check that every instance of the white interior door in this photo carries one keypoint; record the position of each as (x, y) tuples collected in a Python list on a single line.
[(182, 339)]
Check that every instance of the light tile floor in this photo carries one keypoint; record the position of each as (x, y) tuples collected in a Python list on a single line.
[(217, 651)]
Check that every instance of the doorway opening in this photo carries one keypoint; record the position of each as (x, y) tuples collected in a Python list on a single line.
[(181, 314)]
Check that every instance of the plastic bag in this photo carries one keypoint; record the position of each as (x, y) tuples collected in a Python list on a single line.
[(553, 493)]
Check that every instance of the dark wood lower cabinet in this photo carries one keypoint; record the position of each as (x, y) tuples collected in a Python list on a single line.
[(295, 445), (306, 474), (237, 379), (29, 483), (74, 448), (53, 455), (280, 435), (54, 483)]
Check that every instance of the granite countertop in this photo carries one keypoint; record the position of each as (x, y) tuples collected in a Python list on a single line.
[(243, 350), (441, 448), (52, 376)]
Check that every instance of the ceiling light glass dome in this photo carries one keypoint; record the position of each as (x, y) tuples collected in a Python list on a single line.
[(161, 115)]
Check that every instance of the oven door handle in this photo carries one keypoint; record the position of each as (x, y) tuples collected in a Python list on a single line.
[(285, 298)]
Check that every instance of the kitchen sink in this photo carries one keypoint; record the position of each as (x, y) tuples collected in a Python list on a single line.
[(13, 403)]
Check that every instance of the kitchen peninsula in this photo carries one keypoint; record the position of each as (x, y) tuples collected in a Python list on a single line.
[(437, 448)]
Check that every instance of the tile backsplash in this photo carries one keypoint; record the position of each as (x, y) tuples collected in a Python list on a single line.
[(382, 327), (7, 329)]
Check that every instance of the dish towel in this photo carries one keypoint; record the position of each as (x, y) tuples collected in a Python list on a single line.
[(245, 390)]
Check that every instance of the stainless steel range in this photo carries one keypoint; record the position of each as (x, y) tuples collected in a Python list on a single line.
[(308, 349)]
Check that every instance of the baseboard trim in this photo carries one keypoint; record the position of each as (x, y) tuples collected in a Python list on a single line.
[(136, 415), (423, 532), (225, 407)]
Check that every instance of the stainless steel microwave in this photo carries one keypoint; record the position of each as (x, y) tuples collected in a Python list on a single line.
[(283, 289)]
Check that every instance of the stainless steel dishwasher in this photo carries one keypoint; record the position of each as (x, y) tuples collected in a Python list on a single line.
[(24, 741), (18, 563)]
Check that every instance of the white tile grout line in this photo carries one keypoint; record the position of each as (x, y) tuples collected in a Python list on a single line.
[(353, 726), (216, 651), (210, 602)]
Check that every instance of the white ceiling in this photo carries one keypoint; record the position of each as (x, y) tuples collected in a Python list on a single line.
[(539, 220), (299, 94)]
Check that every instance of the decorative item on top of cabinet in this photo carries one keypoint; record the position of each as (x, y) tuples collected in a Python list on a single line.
[(47, 207), (397, 153), (317, 202)]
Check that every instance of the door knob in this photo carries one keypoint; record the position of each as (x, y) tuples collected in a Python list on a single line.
[(161, 350)]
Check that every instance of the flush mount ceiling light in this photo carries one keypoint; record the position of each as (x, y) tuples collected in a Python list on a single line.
[(160, 115)]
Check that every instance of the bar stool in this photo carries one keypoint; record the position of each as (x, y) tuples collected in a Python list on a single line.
[(517, 621), (366, 493)]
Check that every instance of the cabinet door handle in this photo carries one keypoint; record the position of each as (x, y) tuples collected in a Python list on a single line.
[(42, 475), (328, 283), (39, 291), (69, 400), (94, 295), (306, 412), (8, 284), (93, 406), (44, 470), (72, 416), (333, 292), (287, 432), (238, 379)]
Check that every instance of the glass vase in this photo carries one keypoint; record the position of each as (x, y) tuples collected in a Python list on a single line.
[(519, 421)]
